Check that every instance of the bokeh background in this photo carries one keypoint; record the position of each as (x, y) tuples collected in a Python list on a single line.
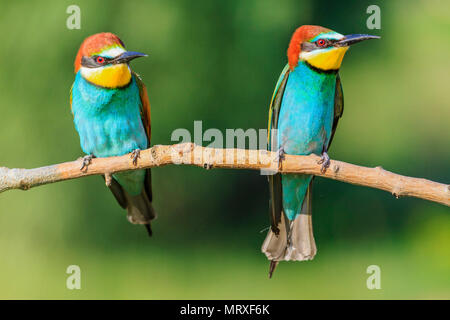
[(218, 61)]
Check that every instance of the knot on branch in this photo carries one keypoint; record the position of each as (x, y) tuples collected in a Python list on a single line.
[(335, 168), (179, 153), (154, 153)]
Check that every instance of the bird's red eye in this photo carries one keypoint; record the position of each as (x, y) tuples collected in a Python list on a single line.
[(100, 60), (321, 42)]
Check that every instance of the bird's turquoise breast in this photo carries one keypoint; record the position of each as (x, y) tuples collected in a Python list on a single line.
[(304, 126), (307, 111), (107, 120), (109, 123)]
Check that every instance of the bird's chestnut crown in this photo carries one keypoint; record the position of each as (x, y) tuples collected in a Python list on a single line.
[(103, 60), (320, 48)]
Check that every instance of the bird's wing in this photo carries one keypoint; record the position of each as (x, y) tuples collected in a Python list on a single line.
[(275, 105), (145, 105), (145, 115), (338, 106), (275, 189)]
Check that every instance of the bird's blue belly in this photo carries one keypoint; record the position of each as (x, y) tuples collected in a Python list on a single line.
[(307, 111), (304, 126), (109, 123), (107, 120), (111, 135)]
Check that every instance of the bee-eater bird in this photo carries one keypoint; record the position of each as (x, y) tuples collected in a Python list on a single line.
[(305, 109), (112, 116)]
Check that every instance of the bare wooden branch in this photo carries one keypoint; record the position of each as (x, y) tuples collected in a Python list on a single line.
[(190, 154)]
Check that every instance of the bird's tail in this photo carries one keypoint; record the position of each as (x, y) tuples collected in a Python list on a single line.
[(140, 209), (295, 241)]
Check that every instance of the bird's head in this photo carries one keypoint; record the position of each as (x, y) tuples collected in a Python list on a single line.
[(321, 48), (103, 60)]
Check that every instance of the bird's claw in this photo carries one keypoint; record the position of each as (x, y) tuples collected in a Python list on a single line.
[(86, 162), (135, 155), (280, 157), (324, 161)]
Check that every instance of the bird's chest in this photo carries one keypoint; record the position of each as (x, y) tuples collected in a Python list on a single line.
[(108, 120), (307, 111)]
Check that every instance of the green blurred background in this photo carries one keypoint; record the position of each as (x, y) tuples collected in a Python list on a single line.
[(218, 61)]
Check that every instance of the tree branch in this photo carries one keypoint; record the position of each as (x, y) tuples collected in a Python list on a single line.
[(190, 154)]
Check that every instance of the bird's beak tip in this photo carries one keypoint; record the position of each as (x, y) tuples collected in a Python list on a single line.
[(350, 39), (140, 54), (136, 54), (127, 56)]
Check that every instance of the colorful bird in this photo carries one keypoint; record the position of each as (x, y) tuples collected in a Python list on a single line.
[(112, 116), (305, 109)]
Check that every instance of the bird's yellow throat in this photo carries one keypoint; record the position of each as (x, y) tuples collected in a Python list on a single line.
[(325, 60), (112, 76)]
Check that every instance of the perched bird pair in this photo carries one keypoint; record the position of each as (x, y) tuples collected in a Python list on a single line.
[(112, 116)]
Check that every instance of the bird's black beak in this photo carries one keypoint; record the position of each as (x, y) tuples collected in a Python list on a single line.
[(350, 39), (127, 57)]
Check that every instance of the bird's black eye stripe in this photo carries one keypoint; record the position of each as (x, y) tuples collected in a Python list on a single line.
[(310, 46), (94, 61)]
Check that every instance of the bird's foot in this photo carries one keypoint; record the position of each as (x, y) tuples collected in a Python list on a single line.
[(324, 161), (135, 155), (280, 157), (86, 162), (273, 265)]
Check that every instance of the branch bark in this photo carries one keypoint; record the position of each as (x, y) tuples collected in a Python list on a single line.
[(190, 154)]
